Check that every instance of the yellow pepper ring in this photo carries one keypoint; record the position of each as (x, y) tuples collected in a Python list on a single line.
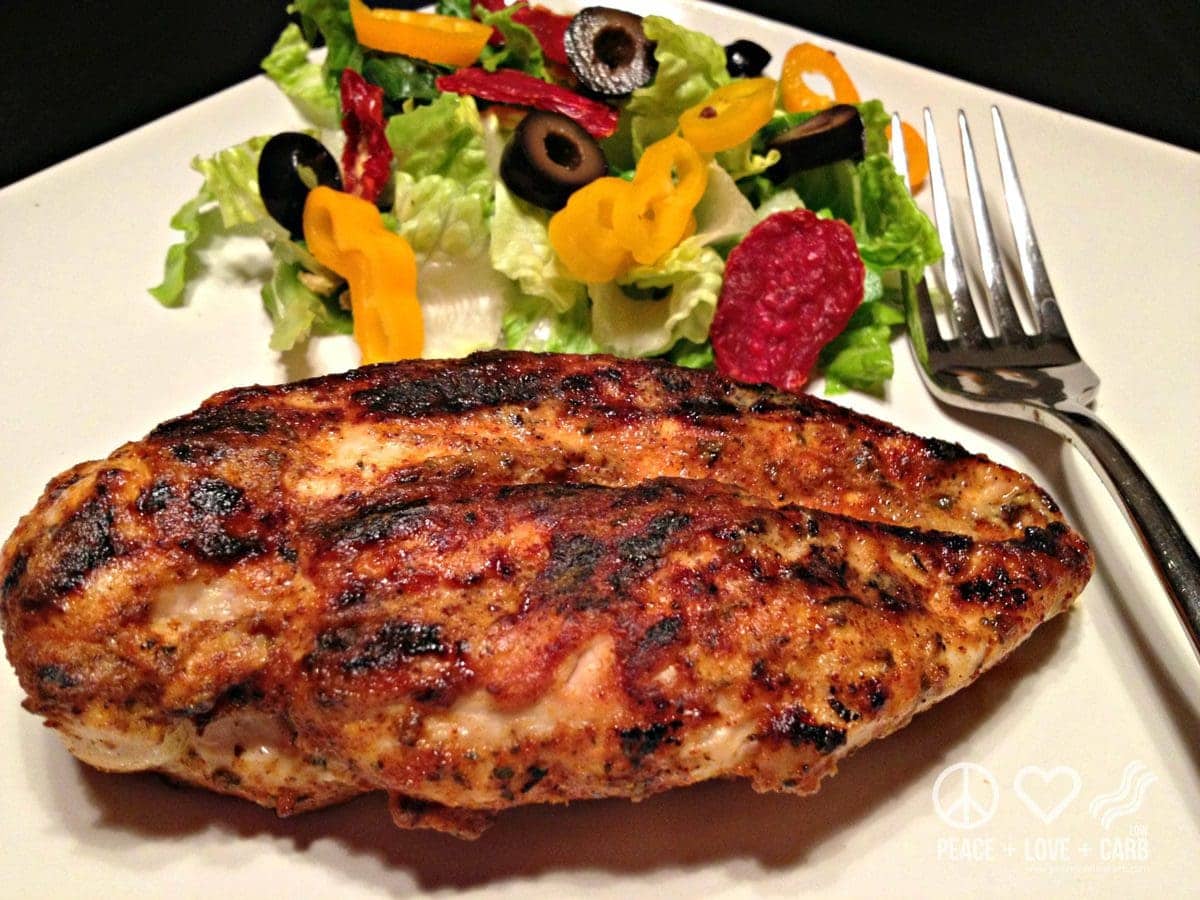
[(729, 115), (347, 234), (809, 59), (582, 232), (447, 40), (656, 214)]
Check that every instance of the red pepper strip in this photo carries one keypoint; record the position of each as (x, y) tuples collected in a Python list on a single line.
[(548, 27), (367, 158), (515, 87)]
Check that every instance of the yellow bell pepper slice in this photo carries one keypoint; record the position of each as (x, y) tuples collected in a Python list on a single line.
[(656, 214), (583, 236), (346, 234), (809, 59), (447, 40), (729, 115)]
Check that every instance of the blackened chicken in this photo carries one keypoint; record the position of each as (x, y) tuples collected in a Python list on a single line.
[(514, 579)]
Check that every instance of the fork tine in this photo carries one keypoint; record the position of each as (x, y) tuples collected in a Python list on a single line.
[(962, 309), (1037, 282), (1004, 314)]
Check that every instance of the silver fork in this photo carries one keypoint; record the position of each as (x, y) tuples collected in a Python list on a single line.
[(1040, 376)]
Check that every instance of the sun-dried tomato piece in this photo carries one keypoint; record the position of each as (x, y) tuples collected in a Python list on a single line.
[(790, 287), (367, 158), (516, 88), (548, 27)]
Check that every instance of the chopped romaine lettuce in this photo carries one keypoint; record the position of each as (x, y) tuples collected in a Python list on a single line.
[(191, 221), (875, 124), (462, 304), (296, 312), (653, 307), (521, 49), (692, 355), (440, 215), (892, 232), (521, 251), (459, 8), (860, 358), (531, 323), (301, 79), (742, 162), (331, 20), (401, 77), (724, 212), (780, 201), (443, 138), (231, 181)]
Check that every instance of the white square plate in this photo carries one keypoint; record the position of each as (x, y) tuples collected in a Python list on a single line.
[(1098, 713)]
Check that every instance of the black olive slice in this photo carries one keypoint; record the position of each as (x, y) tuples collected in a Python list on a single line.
[(292, 164), (746, 59), (831, 135), (608, 51), (549, 158)]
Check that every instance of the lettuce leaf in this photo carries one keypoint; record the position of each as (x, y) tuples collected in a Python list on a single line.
[(231, 182), (331, 20), (860, 358), (875, 124), (296, 312), (192, 223), (743, 162), (892, 232), (443, 138), (444, 192), (723, 213), (531, 323), (521, 49), (441, 216), (692, 355), (300, 79), (690, 66), (521, 251), (462, 304), (462, 296), (780, 201), (653, 307), (231, 179), (459, 8), (401, 77)]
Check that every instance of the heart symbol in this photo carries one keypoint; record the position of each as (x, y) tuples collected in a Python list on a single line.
[(1061, 781)]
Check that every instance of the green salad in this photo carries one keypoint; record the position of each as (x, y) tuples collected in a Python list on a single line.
[(590, 183)]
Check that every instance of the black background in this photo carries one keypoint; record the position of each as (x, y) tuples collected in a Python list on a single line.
[(74, 73)]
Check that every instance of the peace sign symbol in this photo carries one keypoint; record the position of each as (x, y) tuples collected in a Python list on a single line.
[(965, 796)]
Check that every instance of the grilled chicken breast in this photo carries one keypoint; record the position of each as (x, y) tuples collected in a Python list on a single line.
[(515, 579)]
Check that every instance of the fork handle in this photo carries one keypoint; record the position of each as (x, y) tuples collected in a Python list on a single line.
[(1173, 555)]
